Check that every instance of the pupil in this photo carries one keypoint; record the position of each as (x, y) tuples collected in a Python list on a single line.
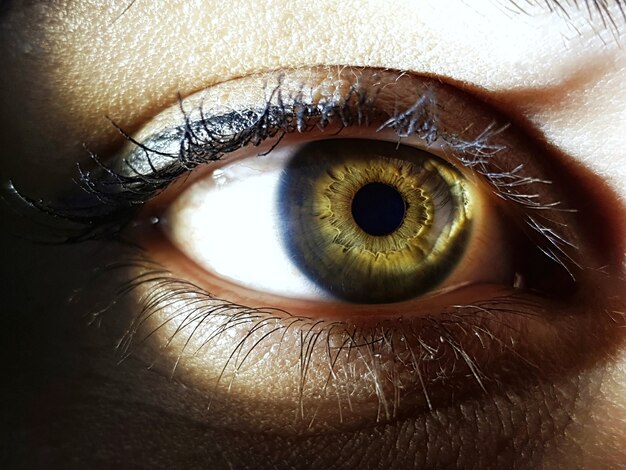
[(378, 209)]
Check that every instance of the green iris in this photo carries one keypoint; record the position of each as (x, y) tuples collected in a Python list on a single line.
[(371, 221)]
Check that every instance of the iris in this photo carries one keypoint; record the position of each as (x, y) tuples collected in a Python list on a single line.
[(372, 221)]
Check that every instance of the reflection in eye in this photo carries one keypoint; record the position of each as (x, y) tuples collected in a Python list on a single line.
[(367, 221), (471, 215)]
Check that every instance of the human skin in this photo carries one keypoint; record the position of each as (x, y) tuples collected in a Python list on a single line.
[(70, 66)]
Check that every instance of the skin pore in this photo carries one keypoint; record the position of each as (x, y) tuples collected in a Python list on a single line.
[(72, 67)]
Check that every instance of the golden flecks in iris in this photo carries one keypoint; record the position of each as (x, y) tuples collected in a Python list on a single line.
[(338, 190), (329, 245)]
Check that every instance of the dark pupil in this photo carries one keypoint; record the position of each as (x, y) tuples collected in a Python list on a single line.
[(378, 209)]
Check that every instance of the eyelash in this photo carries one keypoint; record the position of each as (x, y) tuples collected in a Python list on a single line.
[(112, 197), (439, 342)]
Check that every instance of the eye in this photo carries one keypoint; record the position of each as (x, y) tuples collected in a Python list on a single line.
[(353, 220), (338, 247)]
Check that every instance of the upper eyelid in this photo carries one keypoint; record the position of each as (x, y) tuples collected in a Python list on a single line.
[(202, 137), (282, 113), (209, 137), (110, 194)]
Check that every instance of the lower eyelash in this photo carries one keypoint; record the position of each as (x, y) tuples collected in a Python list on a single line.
[(444, 347)]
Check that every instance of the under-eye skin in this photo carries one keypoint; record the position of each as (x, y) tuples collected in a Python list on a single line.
[(361, 355)]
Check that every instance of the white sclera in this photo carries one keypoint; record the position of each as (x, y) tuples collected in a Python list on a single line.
[(229, 224)]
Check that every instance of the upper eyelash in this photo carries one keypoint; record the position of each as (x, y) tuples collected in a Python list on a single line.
[(110, 196), (210, 138)]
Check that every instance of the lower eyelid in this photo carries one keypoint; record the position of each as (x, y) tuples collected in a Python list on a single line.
[(278, 374), (262, 369), (368, 373)]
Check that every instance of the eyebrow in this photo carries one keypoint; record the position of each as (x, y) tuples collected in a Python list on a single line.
[(593, 8), (567, 7)]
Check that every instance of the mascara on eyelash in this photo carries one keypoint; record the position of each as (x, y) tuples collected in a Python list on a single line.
[(109, 193), (158, 160), (153, 164)]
